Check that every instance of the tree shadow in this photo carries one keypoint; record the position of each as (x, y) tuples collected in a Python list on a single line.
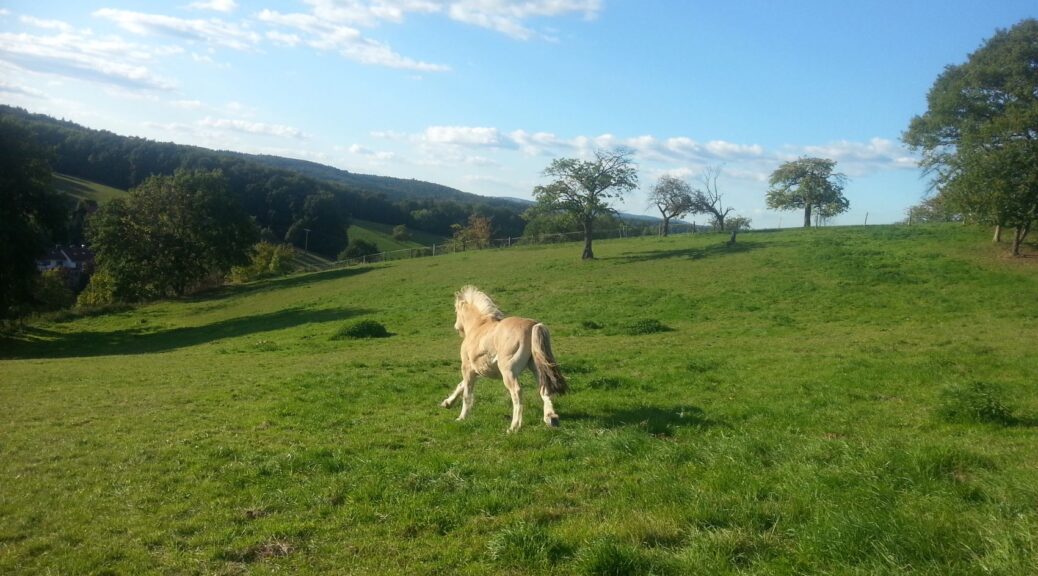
[(655, 420), (34, 342), (710, 251)]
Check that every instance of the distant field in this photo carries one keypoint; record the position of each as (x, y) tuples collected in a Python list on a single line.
[(829, 401), (382, 236), (85, 189)]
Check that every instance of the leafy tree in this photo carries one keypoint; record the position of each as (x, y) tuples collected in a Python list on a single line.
[(478, 233), (709, 200), (170, 234), (739, 223), (326, 223), (401, 233), (29, 214), (979, 135), (936, 208), (358, 248), (52, 291), (586, 188), (267, 259), (808, 184), (672, 197)]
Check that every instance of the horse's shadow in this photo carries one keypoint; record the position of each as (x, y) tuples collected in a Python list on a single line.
[(654, 420)]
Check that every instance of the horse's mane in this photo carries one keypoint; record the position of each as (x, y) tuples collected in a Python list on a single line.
[(481, 301)]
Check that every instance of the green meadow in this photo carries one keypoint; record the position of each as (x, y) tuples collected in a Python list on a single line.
[(834, 401)]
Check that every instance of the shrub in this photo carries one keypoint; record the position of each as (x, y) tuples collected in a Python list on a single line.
[(362, 329), (52, 292), (99, 292), (978, 402)]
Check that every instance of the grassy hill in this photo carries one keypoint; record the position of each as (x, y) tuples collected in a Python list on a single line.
[(840, 400), (382, 236), (85, 189)]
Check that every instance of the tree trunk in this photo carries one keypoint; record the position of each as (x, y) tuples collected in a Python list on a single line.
[(998, 233), (588, 253), (807, 216), (666, 227), (1018, 238)]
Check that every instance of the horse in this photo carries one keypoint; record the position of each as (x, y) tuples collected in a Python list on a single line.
[(494, 346)]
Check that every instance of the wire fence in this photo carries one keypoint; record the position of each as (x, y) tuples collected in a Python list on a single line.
[(456, 245)]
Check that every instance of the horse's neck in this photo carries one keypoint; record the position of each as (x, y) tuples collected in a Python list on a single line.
[(474, 322)]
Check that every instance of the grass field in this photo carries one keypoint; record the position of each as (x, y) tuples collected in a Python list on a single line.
[(85, 189), (836, 401), (382, 236)]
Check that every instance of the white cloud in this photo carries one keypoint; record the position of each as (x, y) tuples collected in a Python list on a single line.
[(48, 24), (186, 104), (330, 35), (859, 158), (85, 57), (212, 31), (509, 17), (217, 5), (247, 127), (466, 136)]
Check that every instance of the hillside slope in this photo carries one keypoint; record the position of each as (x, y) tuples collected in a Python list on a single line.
[(839, 400)]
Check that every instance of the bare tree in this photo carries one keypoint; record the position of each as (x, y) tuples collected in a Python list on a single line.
[(709, 200), (673, 197)]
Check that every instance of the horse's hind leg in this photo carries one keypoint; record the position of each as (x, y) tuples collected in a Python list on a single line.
[(550, 417), (512, 384)]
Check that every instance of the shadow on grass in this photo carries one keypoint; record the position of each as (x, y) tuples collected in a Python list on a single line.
[(655, 420), (713, 250), (35, 342)]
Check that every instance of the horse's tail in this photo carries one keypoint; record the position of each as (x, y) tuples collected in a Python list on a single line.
[(551, 379)]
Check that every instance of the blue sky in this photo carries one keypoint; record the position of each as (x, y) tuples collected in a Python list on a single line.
[(482, 94)]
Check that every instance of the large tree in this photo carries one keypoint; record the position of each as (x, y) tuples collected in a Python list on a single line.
[(585, 189), (169, 234), (808, 184), (979, 135), (30, 215), (672, 197)]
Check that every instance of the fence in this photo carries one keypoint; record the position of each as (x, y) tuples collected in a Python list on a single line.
[(454, 246)]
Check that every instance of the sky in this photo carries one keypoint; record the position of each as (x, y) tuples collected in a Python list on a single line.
[(482, 95)]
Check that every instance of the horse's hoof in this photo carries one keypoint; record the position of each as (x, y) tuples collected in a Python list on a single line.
[(445, 404), (553, 422)]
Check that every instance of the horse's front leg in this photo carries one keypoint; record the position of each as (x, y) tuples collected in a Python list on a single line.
[(454, 395), (465, 389)]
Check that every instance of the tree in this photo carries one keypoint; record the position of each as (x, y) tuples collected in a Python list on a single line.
[(709, 200), (808, 184), (170, 234), (672, 197), (401, 233), (30, 215), (979, 135), (326, 223), (933, 209), (478, 233), (586, 188)]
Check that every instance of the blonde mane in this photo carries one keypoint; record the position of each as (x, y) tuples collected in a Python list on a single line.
[(481, 301)]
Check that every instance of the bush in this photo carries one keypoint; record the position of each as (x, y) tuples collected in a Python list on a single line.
[(51, 291), (362, 329), (267, 260), (99, 292), (977, 402)]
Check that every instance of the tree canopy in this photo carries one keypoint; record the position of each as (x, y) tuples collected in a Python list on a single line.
[(170, 234), (808, 184), (586, 189), (30, 215), (672, 197), (979, 135)]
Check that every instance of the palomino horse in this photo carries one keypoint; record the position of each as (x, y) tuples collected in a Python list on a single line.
[(499, 347)]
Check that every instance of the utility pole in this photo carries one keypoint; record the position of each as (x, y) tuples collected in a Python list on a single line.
[(307, 246)]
